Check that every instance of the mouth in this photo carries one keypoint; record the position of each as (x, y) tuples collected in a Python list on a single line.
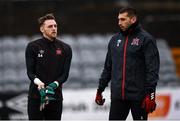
[(54, 32), (121, 27)]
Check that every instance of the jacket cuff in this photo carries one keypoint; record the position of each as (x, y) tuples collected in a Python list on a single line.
[(149, 91), (99, 90), (57, 83), (37, 81)]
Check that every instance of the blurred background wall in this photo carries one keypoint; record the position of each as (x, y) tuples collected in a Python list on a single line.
[(87, 26)]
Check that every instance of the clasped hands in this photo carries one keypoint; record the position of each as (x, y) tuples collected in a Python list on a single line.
[(46, 94)]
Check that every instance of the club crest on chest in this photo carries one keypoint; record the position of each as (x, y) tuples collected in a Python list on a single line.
[(58, 51), (135, 41)]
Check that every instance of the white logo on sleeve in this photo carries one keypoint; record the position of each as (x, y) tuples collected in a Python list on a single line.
[(118, 42)]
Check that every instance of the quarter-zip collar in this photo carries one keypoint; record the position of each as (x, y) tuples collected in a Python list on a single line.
[(49, 41), (132, 29)]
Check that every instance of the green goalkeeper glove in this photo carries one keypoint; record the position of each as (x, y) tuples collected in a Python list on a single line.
[(45, 98), (50, 88)]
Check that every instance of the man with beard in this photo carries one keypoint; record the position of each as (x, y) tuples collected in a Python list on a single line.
[(48, 62), (132, 66)]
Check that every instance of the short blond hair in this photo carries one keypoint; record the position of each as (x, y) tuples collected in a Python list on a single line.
[(48, 16)]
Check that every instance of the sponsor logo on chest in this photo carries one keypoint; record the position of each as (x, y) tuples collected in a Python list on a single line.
[(41, 53), (118, 42)]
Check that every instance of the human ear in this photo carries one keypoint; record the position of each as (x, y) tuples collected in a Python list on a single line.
[(133, 19), (42, 29)]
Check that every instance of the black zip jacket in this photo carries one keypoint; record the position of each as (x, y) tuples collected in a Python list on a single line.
[(49, 61), (132, 64)]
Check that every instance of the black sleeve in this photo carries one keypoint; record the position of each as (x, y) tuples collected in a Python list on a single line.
[(106, 74), (61, 79), (30, 61), (152, 62)]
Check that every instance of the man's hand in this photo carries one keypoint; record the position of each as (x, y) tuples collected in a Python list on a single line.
[(149, 103), (51, 87), (46, 93), (99, 98), (45, 98), (39, 83), (49, 90), (43, 101)]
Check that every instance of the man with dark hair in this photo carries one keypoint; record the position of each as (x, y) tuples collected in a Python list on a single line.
[(48, 62), (132, 65)]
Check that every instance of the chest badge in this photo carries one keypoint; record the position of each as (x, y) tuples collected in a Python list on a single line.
[(118, 42), (135, 41), (58, 52), (41, 53)]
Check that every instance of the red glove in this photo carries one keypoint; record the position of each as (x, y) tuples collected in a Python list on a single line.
[(99, 98), (149, 103)]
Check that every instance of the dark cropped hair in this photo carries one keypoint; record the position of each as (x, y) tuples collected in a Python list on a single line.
[(48, 16), (130, 10)]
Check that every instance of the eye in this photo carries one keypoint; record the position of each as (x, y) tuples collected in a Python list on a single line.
[(122, 19), (55, 26), (50, 26)]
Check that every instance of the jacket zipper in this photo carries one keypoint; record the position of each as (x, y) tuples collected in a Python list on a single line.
[(124, 68)]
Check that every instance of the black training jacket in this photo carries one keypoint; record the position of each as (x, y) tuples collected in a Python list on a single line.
[(49, 61), (132, 64)]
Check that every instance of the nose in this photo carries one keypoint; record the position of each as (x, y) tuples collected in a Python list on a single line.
[(54, 27)]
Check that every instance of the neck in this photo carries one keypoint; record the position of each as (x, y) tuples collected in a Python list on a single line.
[(130, 28), (49, 38)]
